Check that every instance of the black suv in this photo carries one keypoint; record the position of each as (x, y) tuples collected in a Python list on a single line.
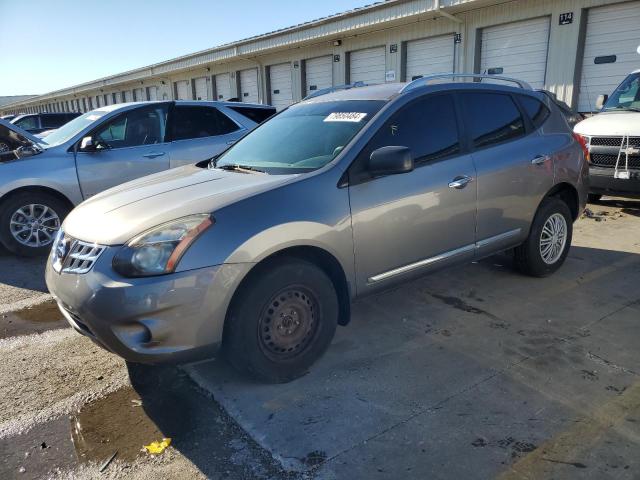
[(39, 122)]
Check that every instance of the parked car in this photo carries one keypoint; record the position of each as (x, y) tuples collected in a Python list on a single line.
[(334, 198), (8, 118), (15, 142), (106, 147), (613, 140), (39, 122)]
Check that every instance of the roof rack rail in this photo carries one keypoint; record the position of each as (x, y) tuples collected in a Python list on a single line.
[(325, 91), (418, 82)]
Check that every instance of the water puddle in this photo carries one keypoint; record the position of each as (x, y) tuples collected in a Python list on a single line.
[(161, 405), (42, 317)]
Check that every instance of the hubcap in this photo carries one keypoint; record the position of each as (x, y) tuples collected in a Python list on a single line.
[(553, 238), (34, 225), (288, 323)]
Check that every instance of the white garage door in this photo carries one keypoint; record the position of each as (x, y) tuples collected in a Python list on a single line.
[(201, 88), (249, 85), (280, 84), (610, 50), (367, 66), (318, 73), (182, 90), (517, 50), (223, 86), (428, 56), (138, 94), (152, 93), (128, 96)]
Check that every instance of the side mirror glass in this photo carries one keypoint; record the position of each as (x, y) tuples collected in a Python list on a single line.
[(601, 100), (390, 160), (87, 145)]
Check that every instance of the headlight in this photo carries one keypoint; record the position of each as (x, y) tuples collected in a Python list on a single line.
[(158, 251)]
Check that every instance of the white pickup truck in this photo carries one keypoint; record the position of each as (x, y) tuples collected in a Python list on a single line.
[(613, 139)]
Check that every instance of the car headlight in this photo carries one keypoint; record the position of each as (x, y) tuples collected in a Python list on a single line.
[(158, 250)]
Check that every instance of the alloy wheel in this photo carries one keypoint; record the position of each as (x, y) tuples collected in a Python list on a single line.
[(553, 238), (34, 225)]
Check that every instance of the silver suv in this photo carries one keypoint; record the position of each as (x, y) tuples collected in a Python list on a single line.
[(42, 179), (339, 196)]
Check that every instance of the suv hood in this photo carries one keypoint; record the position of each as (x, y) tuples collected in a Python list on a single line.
[(610, 124), (117, 215)]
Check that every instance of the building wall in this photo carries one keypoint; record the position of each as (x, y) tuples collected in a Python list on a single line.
[(389, 24)]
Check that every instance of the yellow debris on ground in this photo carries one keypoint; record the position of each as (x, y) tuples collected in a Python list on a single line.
[(157, 447)]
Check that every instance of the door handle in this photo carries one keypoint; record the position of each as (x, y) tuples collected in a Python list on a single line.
[(540, 159), (460, 182), (153, 154)]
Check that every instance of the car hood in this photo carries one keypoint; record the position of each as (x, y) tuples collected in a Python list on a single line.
[(614, 124), (116, 215), (19, 134)]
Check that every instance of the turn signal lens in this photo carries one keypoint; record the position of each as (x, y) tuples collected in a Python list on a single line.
[(582, 140)]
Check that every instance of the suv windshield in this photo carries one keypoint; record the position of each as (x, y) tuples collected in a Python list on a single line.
[(626, 96), (301, 139), (72, 128)]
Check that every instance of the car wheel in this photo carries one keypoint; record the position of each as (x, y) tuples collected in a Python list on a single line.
[(282, 321), (547, 246), (594, 198), (29, 222)]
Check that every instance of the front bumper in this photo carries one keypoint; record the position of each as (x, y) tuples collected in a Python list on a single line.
[(602, 182), (170, 318)]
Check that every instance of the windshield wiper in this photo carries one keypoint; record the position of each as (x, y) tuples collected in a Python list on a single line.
[(241, 168), (620, 107)]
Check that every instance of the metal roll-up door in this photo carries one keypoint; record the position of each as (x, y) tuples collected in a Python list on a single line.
[(128, 96), (138, 94), (200, 85), (182, 90), (280, 85), (428, 56), (318, 73), (367, 66), (152, 93), (249, 85), (610, 51), (223, 86), (517, 50)]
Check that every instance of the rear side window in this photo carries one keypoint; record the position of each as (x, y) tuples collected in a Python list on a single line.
[(198, 122), (258, 115), (28, 123), (53, 121), (492, 118), (427, 126), (535, 109)]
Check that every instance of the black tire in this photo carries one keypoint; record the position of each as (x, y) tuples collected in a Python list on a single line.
[(594, 197), (13, 204), (528, 256), (261, 321)]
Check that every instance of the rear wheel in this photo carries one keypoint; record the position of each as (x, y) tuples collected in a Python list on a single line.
[(282, 321), (29, 222), (547, 246)]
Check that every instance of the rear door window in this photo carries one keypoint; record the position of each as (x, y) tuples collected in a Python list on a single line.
[(28, 123), (492, 118), (199, 122), (53, 120)]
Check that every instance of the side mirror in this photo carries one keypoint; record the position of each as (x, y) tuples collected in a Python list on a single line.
[(601, 100), (87, 145), (390, 161)]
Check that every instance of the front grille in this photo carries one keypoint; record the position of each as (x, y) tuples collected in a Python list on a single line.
[(609, 161), (70, 255), (614, 141)]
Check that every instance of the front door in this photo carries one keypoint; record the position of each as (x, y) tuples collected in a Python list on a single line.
[(406, 224), (515, 166), (129, 145)]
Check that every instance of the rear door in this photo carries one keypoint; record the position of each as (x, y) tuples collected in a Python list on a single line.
[(409, 223), (133, 145), (199, 133), (514, 165)]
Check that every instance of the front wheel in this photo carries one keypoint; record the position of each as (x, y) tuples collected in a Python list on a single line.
[(547, 246), (282, 321), (29, 222)]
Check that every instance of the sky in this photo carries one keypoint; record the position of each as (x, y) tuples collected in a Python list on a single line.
[(46, 45)]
